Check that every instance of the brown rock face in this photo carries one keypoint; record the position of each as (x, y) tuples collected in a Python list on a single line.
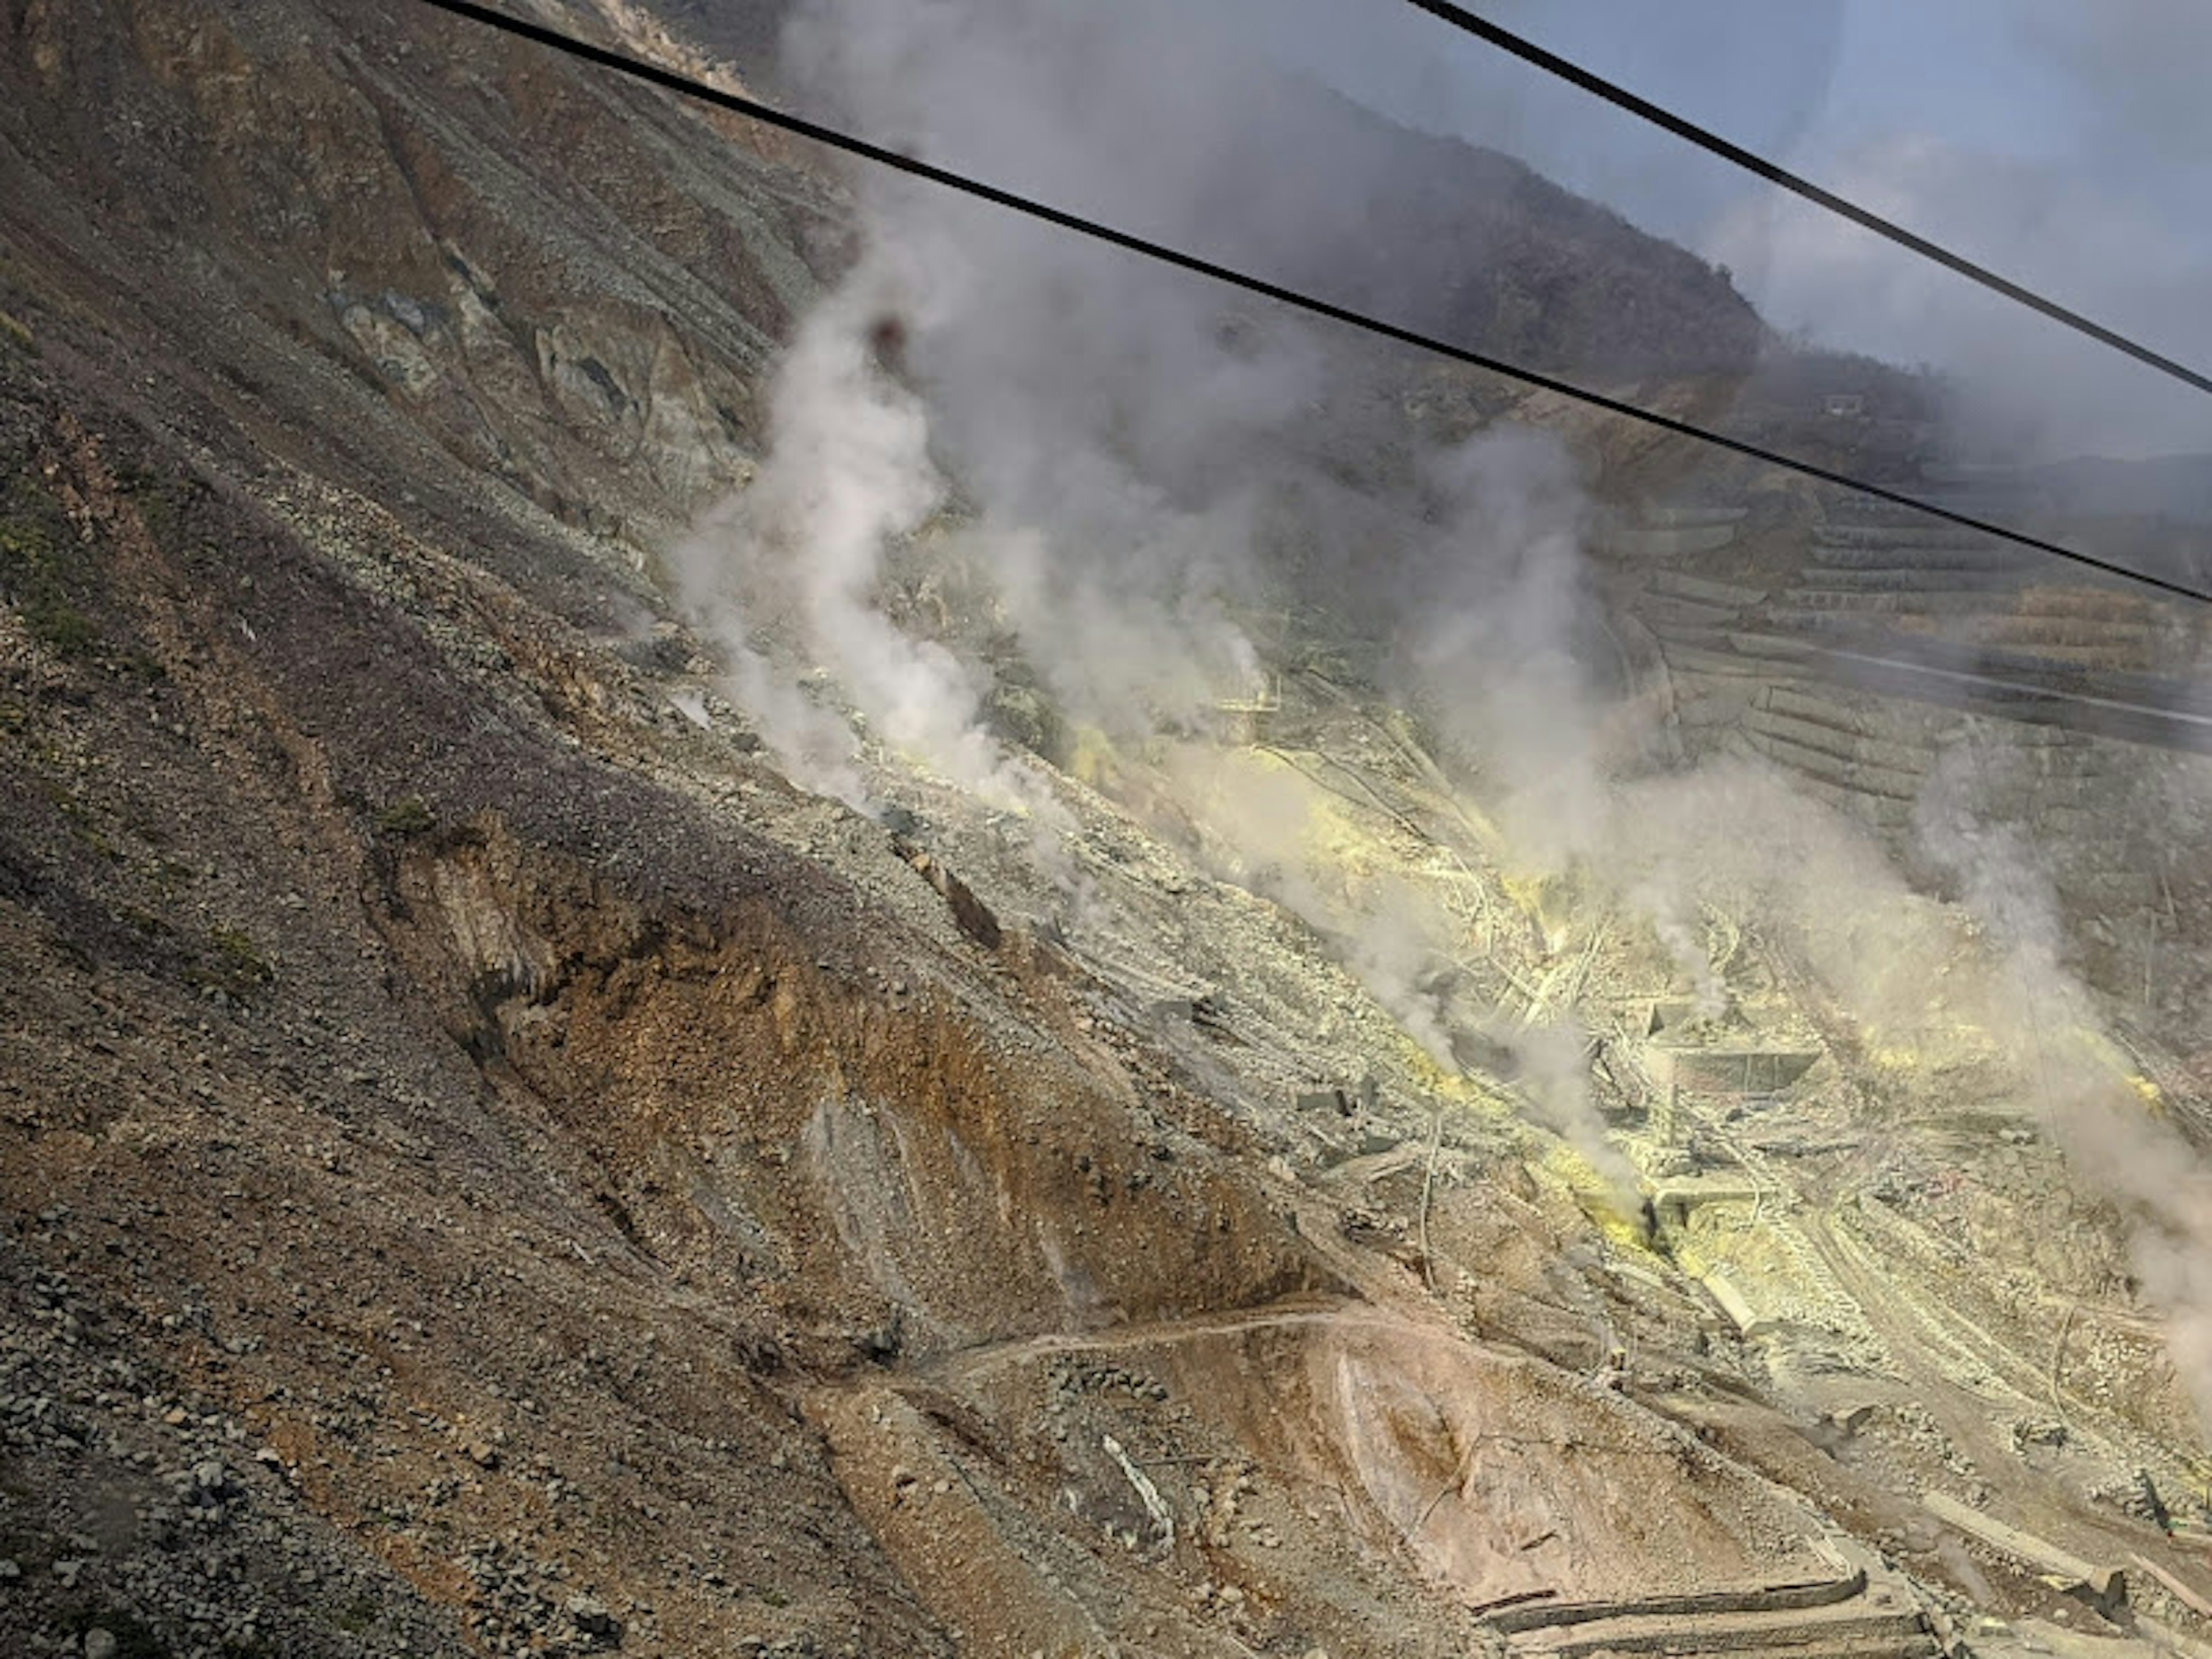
[(370, 230), (487, 1166)]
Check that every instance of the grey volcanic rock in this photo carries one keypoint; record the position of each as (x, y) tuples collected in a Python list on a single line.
[(487, 1165)]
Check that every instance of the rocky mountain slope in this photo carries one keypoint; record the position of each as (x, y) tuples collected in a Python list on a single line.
[(489, 1165)]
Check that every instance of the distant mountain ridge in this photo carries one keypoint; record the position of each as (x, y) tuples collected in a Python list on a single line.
[(1456, 240), (1486, 251)]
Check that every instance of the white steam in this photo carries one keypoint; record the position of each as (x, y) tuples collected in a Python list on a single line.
[(1133, 472), (2069, 1066), (799, 557)]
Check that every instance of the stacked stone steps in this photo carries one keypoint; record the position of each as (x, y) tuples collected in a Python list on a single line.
[(1671, 532), (2059, 622), (1891, 578), (1821, 764), (1950, 538), (1845, 745), (1843, 1620), (1893, 639), (1858, 507), (1697, 621), (1862, 1636), (1821, 779), (2129, 643), (1916, 556), (1841, 745), (2117, 652), (1665, 614), (1740, 646), (1845, 710), (2080, 691), (1727, 676), (1922, 617), (1712, 658), (1818, 624), (2030, 648), (1690, 512), (1957, 583), (1667, 542), (1868, 558), (1995, 658), (1676, 605), (1704, 589), (1780, 649), (1936, 601), (2048, 627)]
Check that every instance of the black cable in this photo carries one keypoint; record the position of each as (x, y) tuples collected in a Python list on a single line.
[(1620, 98), (671, 81)]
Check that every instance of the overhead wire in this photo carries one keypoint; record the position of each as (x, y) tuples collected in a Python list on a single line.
[(685, 86), (1643, 109)]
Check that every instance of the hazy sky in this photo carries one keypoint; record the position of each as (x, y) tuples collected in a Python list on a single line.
[(2067, 144)]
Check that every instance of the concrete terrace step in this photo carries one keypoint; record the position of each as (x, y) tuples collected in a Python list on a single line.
[(1773, 648), (2026, 668), (2115, 654), (2029, 689), (1918, 556), (1656, 609), (1802, 620), (2119, 644), (1895, 1631), (1895, 578), (1924, 533), (1981, 624), (1703, 660), (1906, 760), (1950, 598), (1845, 1618), (1677, 584), (1744, 641), (1852, 505), (1664, 542), (2097, 688), (1915, 1646), (2088, 623), (1541, 1612), (1683, 514), (1855, 777), (1692, 637), (1844, 709)]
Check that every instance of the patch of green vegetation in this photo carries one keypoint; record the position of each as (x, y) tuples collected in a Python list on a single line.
[(166, 500), (83, 821), (142, 665), (66, 628), (143, 922), (356, 1616), (42, 571), (231, 963), (169, 876), (17, 333), (408, 818)]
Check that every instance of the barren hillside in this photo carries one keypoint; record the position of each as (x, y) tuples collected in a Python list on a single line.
[(489, 1163)]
